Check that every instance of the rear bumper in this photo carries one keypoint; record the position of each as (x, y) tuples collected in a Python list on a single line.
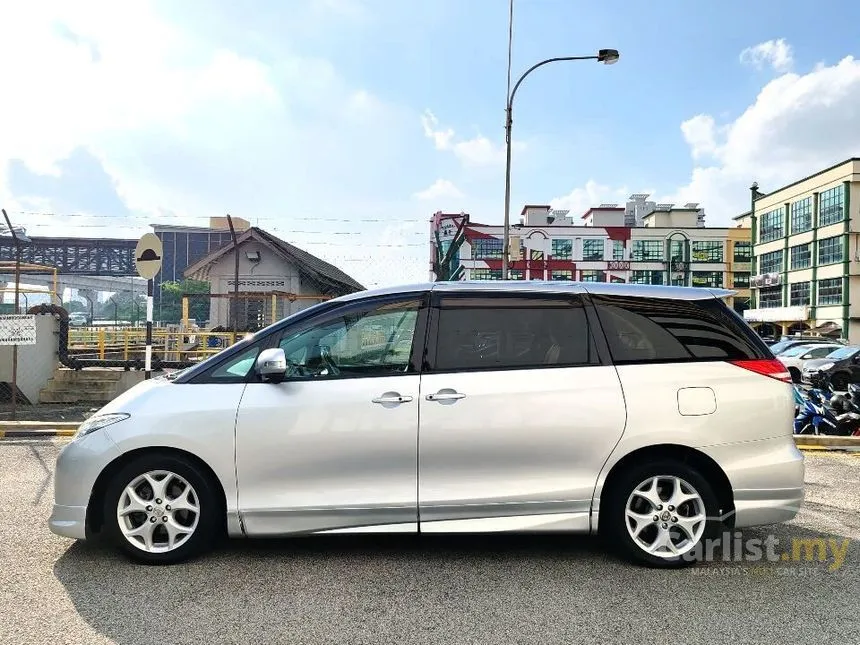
[(766, 478)]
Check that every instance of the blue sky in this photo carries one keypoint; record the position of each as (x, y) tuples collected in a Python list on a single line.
[(342, 125)]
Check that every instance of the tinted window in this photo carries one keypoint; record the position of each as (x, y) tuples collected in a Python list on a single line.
[(375, 341), (512, 332), (645, 330)]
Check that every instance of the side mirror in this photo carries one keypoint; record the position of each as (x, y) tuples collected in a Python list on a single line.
[(271, 364)]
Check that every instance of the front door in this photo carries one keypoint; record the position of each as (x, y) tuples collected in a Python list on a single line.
[(334, 446), (517, 414)]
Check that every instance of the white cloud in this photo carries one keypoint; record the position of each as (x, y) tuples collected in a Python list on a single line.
[(797, 125), (475, 152), (581, 199), (773, 53), (439, 189)]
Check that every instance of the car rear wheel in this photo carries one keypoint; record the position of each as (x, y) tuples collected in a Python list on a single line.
[(162, 509), (660, 514)]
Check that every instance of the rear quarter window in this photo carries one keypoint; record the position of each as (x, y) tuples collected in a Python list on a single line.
[(660, 330)]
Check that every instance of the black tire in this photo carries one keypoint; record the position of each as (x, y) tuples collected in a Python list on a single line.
[(795, 374), (210, 523), (839, 381), (613, 521)]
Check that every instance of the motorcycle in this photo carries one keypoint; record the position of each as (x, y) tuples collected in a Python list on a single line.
[(820, 411)]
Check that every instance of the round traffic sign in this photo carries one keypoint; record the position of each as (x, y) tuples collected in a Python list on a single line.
[(147, 256)]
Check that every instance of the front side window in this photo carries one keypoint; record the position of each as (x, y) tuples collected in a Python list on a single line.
[(237, 368), (512, 332), (831, 206), (707, 279), (592, 250), (376, 341), (801, 215), (647, 330), (487, 248), (772, 225), (647, 251), (830, 250), (707, 251), (743, 251), (801, 256), (830, 291), (592, 276), (770, 297), (562, 249), (798, 294), (771, 262)]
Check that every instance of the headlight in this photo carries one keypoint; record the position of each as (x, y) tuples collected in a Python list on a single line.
[(98, 422), (825, 367)]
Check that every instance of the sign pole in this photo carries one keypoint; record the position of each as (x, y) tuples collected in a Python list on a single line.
[(148, 362)]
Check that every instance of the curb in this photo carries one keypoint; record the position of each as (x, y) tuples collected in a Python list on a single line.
[(35, 434), (37, 429)]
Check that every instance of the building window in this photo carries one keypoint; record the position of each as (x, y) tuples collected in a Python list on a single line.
[(799, 294), (831, 206), (801, 256), (707, 251), (617, 249), (741, 279), (772, 225), (743, 251), (770, 297), (614, 279), (830, 291), (830, 250), (647, 251), (592, 250), (562, 249), (801, 215), (536, 255), (485, 274), (562, 274), (707, 278), (646, 277), (487, 248), (676, 250), (592, 276), (515, 274), (771, 262)]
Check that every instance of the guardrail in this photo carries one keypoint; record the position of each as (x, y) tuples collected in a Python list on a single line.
[(127, 344)]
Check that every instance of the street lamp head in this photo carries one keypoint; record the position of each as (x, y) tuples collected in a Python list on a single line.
[(608, 56)]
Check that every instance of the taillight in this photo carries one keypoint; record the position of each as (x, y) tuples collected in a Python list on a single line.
[(766, 367)]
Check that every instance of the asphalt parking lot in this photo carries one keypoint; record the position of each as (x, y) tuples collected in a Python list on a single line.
[(465, 589)]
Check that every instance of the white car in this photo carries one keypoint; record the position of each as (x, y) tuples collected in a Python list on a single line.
[(653, 415), (795, 357), (78, 319)]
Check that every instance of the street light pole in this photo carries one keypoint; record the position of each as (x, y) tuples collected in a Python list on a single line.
[(605, 56)]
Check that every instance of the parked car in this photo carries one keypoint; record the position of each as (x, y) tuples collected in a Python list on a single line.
[(78, 319), (795, 357), (789, 342), (840, 367), (653, 415)]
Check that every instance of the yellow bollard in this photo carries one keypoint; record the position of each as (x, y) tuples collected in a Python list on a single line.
[(274, 307), (184, 312), (125, 344), (102, 343)]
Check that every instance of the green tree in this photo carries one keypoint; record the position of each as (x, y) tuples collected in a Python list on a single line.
[(171, 300), (123, 306)]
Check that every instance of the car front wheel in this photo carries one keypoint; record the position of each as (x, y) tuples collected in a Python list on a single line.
[(660, 514), (162, 509)]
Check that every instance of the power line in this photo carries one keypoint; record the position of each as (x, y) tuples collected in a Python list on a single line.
[(279, 230), (206, 217)]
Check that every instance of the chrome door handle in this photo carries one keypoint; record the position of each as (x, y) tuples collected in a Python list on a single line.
[(392, 398), (446, 396)]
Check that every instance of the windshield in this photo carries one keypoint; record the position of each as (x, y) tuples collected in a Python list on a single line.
[(797, 350), (781, 346), (842, 353)]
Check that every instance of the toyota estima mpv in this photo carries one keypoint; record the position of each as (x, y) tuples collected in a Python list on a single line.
[(652, 415)]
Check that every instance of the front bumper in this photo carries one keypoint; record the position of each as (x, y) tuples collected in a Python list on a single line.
[(766, 478), (78, 466)]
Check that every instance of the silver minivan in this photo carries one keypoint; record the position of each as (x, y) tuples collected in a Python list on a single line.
[(653, 415)]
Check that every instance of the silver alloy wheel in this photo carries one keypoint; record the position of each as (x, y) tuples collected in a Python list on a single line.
[(665, 516), (158, 511)]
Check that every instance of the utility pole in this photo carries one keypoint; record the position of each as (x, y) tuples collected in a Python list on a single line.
[(17, 244), (234, 304)]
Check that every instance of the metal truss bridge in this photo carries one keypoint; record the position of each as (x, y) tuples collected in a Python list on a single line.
[(76, 256)]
